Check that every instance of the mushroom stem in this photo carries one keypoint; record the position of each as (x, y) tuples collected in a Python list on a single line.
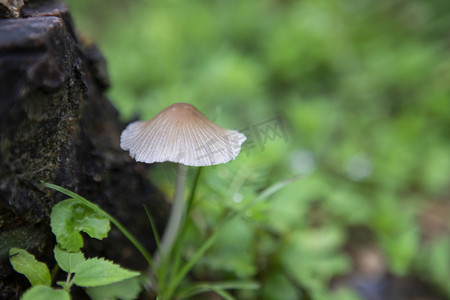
[(176, 214)]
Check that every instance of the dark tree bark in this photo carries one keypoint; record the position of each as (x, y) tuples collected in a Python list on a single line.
[(56, 125)]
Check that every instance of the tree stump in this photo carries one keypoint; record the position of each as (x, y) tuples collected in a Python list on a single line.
[(57, 125)]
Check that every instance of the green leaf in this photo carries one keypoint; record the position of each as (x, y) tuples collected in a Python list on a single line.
[(276, 284), (98, 271), (70, 217), (67, 261), (104, 214), (275, 188), (127, 289), (42, 292), (25, 263), (63, 228)]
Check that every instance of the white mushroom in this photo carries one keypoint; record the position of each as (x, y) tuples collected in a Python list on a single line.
[(180, 134)]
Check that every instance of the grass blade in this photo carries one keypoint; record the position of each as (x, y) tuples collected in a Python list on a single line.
[(275, 188), (154, 230), (218, 287), (232, 217)]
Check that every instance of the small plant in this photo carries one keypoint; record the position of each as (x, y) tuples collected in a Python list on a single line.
[(104, 279), (68, 219)]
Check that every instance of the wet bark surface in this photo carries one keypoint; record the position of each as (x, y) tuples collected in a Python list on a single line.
[(57, 125)]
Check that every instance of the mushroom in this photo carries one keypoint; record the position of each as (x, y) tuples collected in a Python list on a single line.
[(181, 134)]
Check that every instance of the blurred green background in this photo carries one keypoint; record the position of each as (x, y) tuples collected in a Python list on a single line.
[(353, 95)]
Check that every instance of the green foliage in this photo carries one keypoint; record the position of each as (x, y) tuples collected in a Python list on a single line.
[(25, 263), (230, 257), (398, 234), (171, 273), (312, 257), (70, 217), (98, 271), (434, 262), (41, 292), (99, 215), (127, 289), (67, 261), (278, 286), (218, 288), (92, 272)]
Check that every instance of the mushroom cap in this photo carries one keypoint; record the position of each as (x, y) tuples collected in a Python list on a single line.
[(181, 134)]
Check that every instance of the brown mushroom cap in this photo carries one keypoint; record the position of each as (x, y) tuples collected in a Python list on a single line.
[(181, 134)]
